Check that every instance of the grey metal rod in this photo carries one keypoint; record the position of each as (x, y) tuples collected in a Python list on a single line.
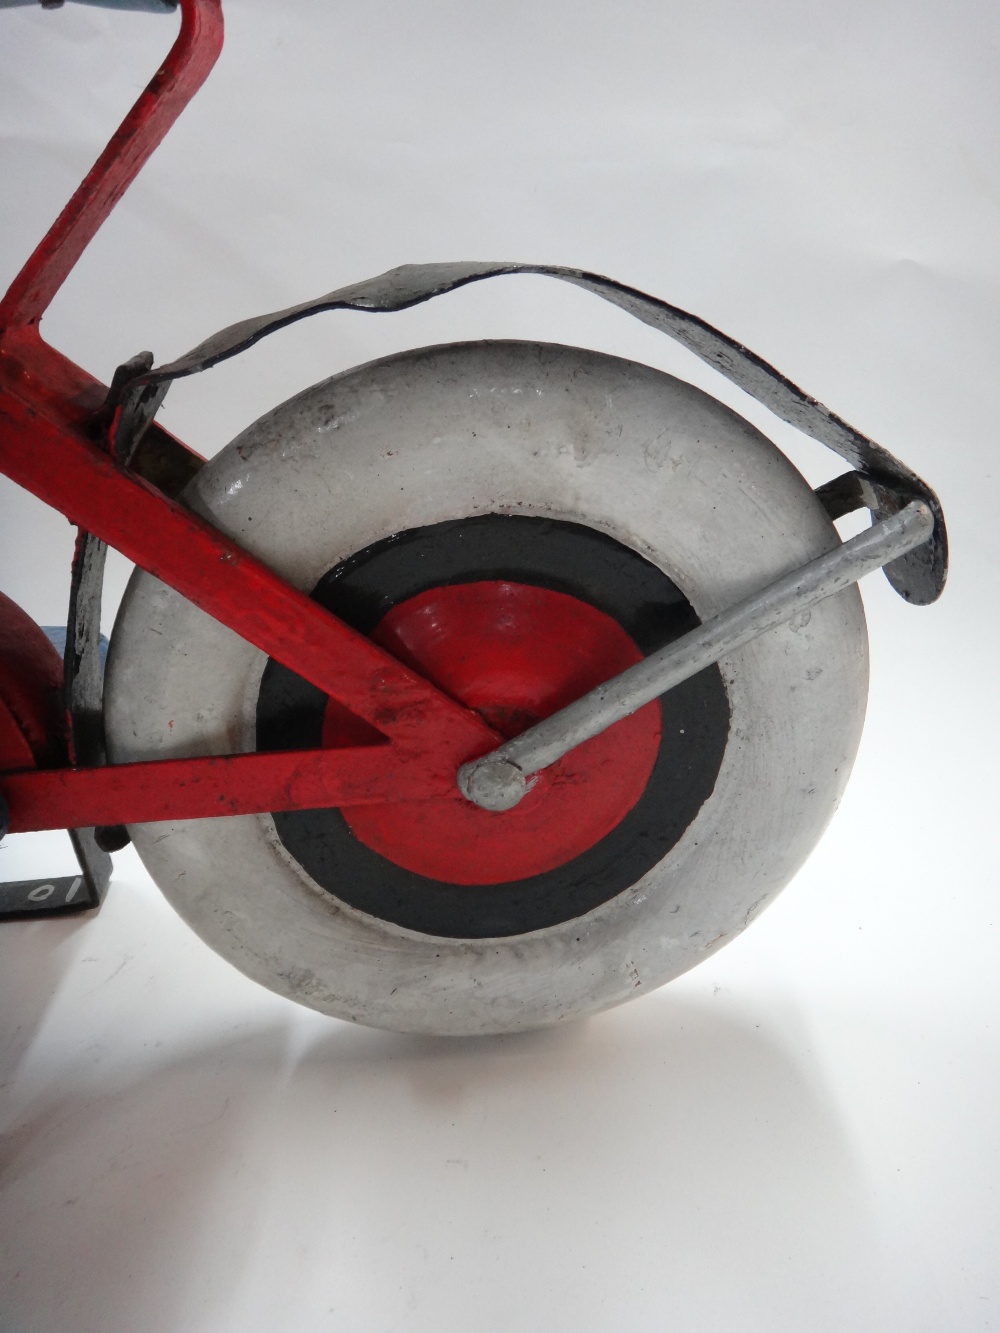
[(498, 780)]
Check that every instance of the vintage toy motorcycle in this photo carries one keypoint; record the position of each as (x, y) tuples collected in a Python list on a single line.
[(470, 690)]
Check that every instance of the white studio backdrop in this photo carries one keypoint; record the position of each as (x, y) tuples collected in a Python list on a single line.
[(801, 1134)]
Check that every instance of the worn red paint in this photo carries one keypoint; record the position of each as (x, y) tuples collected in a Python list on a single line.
[(515, 653), (159, 104), (32, 718), (217, 785), (51, 443)]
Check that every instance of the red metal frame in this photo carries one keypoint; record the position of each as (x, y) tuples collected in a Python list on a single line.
[(51, 444)]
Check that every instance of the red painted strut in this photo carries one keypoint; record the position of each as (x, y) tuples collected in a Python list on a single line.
[(244, 784), (68, 471), (49, 444)]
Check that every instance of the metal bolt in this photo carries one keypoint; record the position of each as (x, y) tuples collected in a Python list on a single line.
[(492, 784)]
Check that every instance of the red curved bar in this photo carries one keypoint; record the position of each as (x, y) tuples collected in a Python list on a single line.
[(171, 88)]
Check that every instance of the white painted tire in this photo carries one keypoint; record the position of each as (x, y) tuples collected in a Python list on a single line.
[(503, 428)]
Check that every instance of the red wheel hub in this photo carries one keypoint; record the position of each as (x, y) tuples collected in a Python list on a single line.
[(516, 653), (32, 714)]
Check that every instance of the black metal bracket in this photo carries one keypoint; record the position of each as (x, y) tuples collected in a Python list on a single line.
[(83, 678), (83, 688), (60, 895), (123, 420)]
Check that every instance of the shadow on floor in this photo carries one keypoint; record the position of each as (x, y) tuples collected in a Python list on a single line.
[(399, 1182)]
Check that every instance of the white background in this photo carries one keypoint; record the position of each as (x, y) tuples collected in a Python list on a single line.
[(799, 1135)]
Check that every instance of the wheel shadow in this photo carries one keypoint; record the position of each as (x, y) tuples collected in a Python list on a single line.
[(252, 1184)]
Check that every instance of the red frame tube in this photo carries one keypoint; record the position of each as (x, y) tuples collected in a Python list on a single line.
[(79, 479), (49, 445), (203, 788)]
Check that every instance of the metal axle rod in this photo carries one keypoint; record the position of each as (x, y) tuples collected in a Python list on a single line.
[(499, 779)]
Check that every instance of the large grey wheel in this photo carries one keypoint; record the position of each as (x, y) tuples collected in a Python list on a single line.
[(462, 440)]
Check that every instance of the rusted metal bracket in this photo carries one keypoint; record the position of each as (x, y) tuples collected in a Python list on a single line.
[(134, 441), (845, 494)]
